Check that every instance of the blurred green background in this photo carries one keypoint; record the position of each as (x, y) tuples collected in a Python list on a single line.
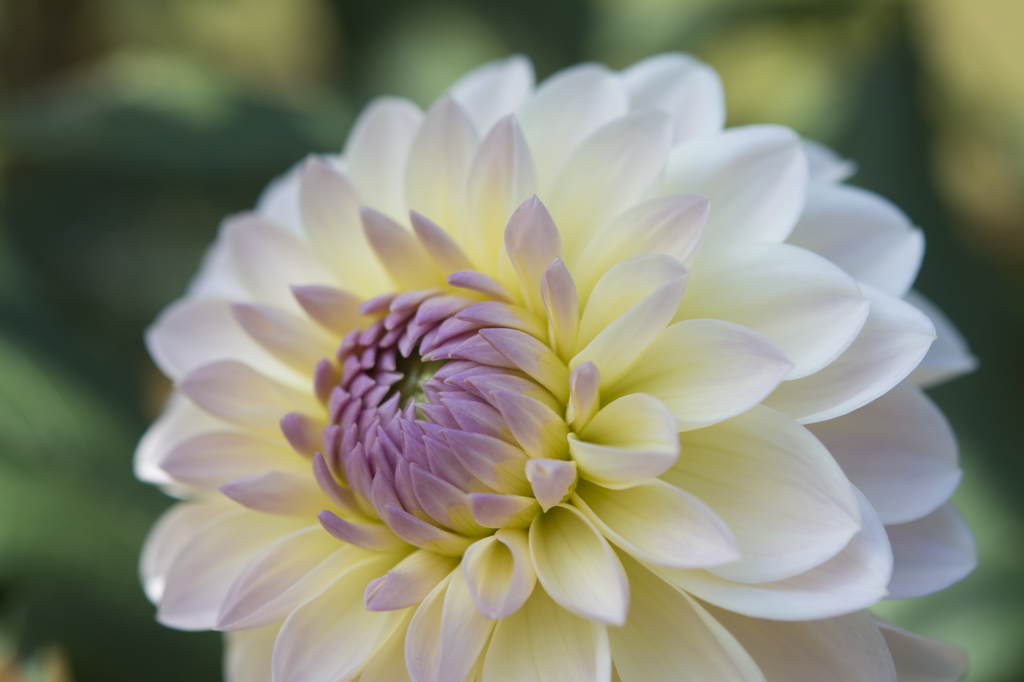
[(128, 128)]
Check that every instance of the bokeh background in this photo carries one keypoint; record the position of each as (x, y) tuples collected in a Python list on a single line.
[(128, 128)]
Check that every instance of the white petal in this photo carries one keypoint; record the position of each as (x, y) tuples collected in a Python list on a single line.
[(403, 256), (864, 234), (658, 523), (576, 566), (684, 87), (629, 440), (330, 218), (855, 579), (777, 488), (435, 176), (499, 573), (268, 260), (216, 278), (544, 643), (755, 176), (566, 109), (279, 200), (331, 635), (672, 225), (204, 569), (247, 654), (377, 150), (930, 554), (180, 421), (802, 302), (211, 459), (279, 492), (705, 371), (170, 534), (920, 659), (409, 582), (283, 575), (847, 649), (668, 632), (239, 394), (899, 450), (447, 633), (950, 356), (494, 90), (892, 342), (292, 339), (607, 173)]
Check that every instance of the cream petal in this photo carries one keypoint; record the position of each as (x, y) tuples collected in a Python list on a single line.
[(247, 654), (551, 480), (377, 150), (447, 633), (205, 567), (920, 659), (565, 110), (848, 648), (409, 582), (501, 178), (950, 356), (669, 632), (683, 87), (784, 498), (532, 357), (331, 636), (278, 492), (494, 90), (292, 339), (179, 421), (864, 234), (931, 553), (240, 395), (544, 643), (267, 260), (892, 342), (445, 252), (899, 450), (629, 440), (854, 579), (607, 173), (170, 534), (503, 511), (211, 459), (755, 177), (584, 395), (403, 256), (387, 664), (536, 427), (799, 300), (824, 165), (499, 573), (190, 333), (335, 310), (330, 219), (635, 316), (705, 371), (559, 295), (672, 225), (439, 160), (532, 242), (283, 575), (658, 523), (577, 567)]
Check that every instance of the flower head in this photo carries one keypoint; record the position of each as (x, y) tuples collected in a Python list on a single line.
[(546, 383)]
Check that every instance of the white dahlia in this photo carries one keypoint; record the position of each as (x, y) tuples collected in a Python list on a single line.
[(558, 383)]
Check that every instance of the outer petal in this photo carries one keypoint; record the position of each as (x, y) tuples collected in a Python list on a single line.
[(919, 659), (808, 306), (577, 567), (705, 371), (387, 664), (950, 356), (848, 648), (826, 166), (331, 636), (777, 488), (292, 339), (658, 523), (755, 176), (377, 150), (566, 109), (681, 86), (447, 633), (669, 632), (204, 569), (864, 234), (499, 573), (899, 450), (930, 554), (494, 90), (180, 421), (544, 643), (247, 654), (856, 578), (894, 339)]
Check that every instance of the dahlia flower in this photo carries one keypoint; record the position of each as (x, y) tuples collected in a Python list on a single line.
[(561, 383)]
